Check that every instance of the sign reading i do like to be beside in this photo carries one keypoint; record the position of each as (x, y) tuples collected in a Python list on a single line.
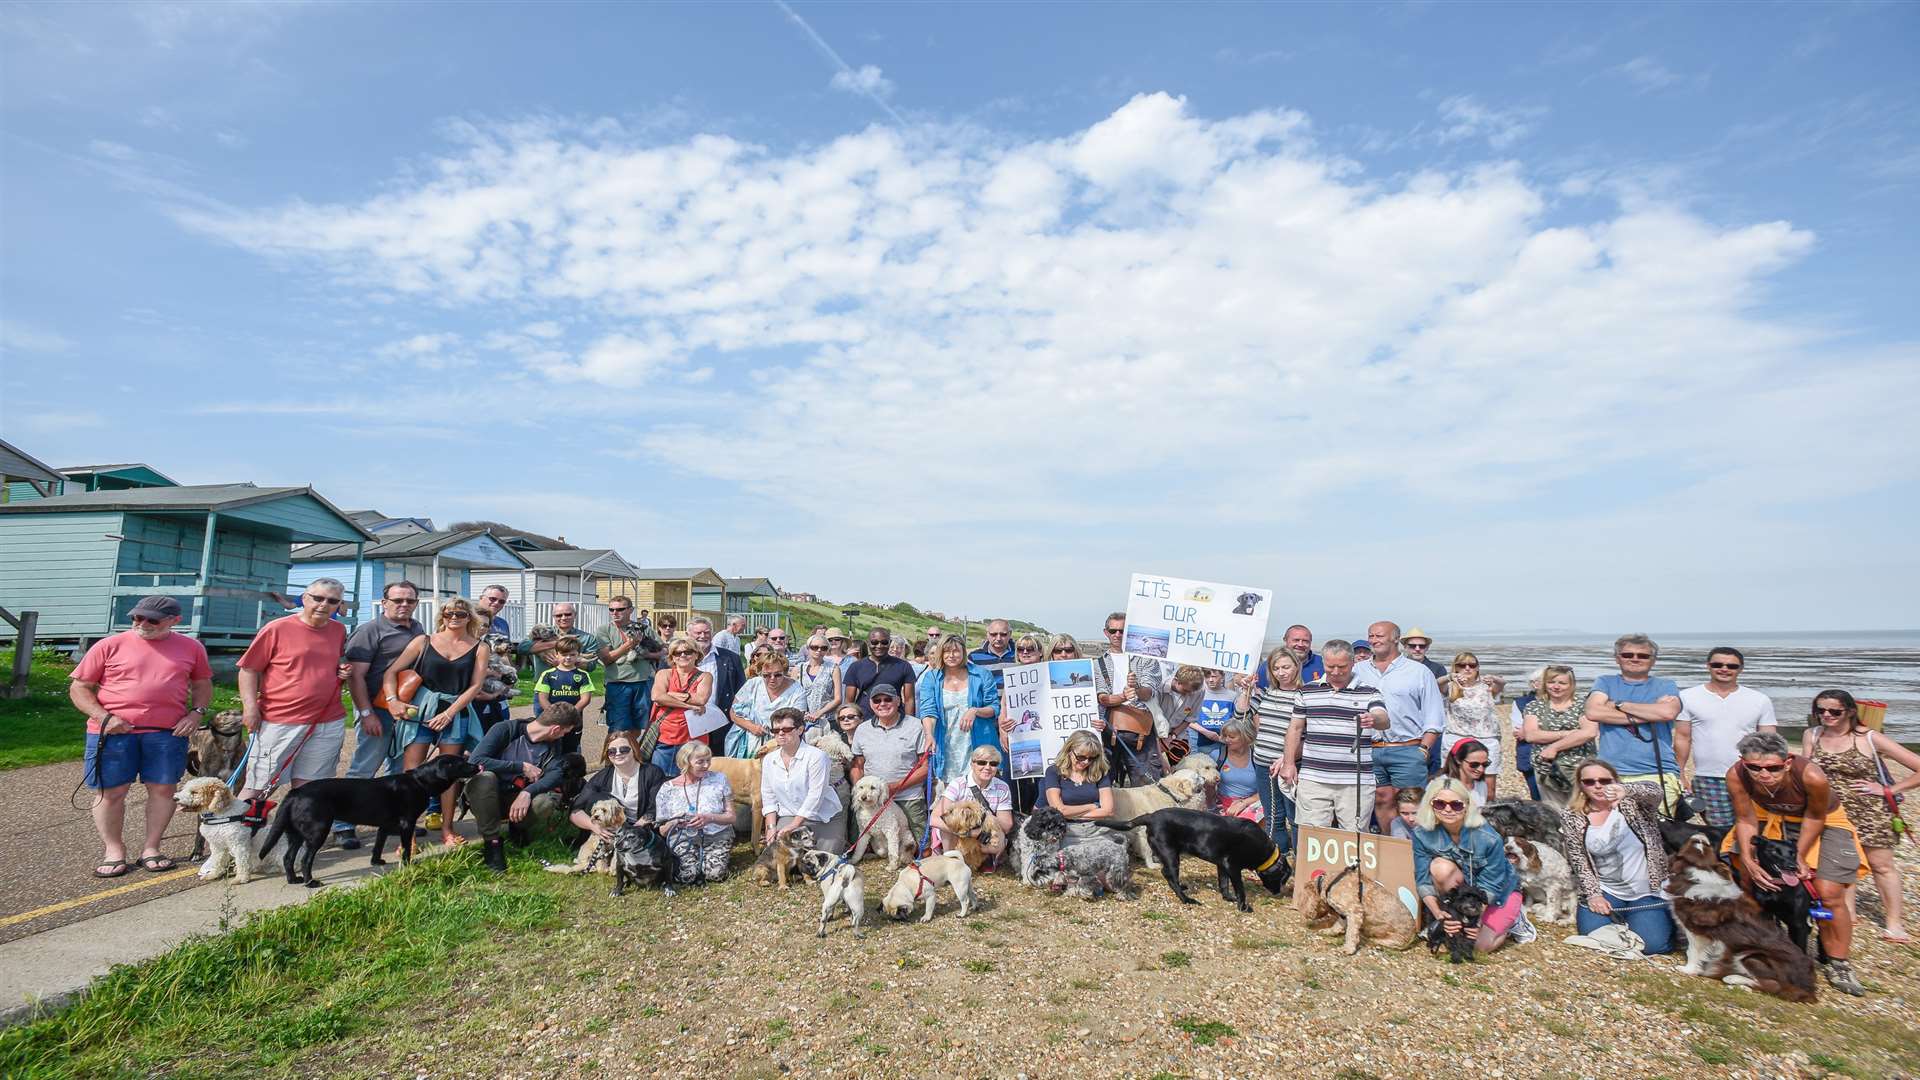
[(1203, 623)]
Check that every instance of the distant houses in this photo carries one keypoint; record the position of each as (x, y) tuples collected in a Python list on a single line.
[(81, 545)]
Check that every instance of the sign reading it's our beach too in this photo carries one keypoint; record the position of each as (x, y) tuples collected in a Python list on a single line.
[(1203, 623)]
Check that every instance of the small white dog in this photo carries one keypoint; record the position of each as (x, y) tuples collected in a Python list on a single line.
[(921, 881), (843, 885), (1546, 881), (869, 795), (229, 840)]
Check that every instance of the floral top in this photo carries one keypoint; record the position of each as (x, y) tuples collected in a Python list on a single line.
[(1472, 713), (712, 795), (756, 702)]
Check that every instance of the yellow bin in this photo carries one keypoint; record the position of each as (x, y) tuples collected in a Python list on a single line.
[(1873, 714)]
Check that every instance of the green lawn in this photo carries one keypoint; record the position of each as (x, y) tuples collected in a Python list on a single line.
[(44, 727)]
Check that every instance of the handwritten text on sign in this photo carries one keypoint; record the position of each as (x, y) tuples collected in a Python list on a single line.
[(1048, 702), (1203, 623)]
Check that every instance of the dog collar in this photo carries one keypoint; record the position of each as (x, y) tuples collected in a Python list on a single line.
[(1271, 859)]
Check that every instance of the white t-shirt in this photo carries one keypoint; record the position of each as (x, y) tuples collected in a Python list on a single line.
[(1719, 723)]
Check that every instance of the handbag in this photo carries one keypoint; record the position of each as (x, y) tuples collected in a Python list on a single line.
[(408, 689), (1897, 823)]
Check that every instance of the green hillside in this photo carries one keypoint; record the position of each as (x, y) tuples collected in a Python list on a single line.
[(901, 618)]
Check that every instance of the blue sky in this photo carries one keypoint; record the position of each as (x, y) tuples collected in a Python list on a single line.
[(1481, 317)]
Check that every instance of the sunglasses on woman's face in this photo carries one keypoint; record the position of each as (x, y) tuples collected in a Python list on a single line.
[(1026, 648), (619, 751), (1465, 667), (987, 764), (1085, 758), (1823, 711), (783, 730), (1063, 652), (1782, 767), (1595, 781), (1448, 804), (1474, 764)]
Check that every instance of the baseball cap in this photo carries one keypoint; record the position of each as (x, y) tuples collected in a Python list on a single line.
[(884, 690), (157, 607), (1361, 642)]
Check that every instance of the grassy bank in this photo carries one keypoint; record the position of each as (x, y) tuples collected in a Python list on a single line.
[(902, 618), (44, 727), (250, 1000)]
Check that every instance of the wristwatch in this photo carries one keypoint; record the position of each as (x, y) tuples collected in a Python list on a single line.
[(201, 709), (364, 713)]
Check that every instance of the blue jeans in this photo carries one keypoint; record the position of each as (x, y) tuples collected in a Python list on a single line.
[(1400, 766), (1523, 764), (1276, 810), (663, 756), (1648, 916), (369, 753), (624, 708)]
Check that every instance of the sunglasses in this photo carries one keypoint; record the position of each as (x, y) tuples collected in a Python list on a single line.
[(784, 730), (619, 610), (1448, 804), (1474, 764), (1116, 629), (404, 601), (1601, 781), (1063, 652), (1463, 667), (619, 751), (849, 716), (1084, 758), (1829, 712), (138, 619), (1720, 665), (988, 764), (1635, 655), (1026, 648), (1766, 768), (816, 646), (325, 601), (1413, 646)]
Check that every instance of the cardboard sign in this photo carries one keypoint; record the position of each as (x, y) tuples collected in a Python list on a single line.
[(1048, 702), (1382, 858), (1203, 623)]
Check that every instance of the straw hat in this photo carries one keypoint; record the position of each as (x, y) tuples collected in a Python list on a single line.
[(1416, 634)]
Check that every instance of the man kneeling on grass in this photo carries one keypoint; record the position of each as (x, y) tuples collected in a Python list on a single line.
[(525, 775)]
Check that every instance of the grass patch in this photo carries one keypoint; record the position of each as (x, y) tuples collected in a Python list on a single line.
[(1831, 1064), (979, 967), (1713, 1053), (1176, 959), (288, 979), (1204, 1032), (44, 727), (778, 1031), (1730, 1018), (1260, 944)]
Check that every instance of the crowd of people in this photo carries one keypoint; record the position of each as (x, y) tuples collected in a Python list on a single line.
[(1368, 734)]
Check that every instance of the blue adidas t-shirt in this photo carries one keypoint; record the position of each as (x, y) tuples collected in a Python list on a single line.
[(1631, 749)]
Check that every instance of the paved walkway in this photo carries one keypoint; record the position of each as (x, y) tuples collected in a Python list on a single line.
[(60, 927)]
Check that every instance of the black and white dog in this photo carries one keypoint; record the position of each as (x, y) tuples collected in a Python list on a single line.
[(1464, 904), (638, 848)]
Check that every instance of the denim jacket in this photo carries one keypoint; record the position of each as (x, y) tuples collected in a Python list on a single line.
[(983, 692), (1480, 854)]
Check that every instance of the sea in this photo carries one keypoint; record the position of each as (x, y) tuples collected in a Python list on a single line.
[(1876, 665)]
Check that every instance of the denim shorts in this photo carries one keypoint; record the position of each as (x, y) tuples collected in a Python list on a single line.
[(1400, 766), (155, 757)]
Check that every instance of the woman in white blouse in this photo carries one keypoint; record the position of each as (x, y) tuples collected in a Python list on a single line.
[(796, 786)]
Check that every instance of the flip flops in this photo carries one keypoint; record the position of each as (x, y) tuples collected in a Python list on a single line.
[(116, 868), (156, 864)]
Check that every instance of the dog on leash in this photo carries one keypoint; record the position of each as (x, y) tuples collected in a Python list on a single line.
[(1546, 881), (1231, 844), (1791, 905), (1181, 787), (1207, 769), (595, 853), (390, 803), (840, 886), (1728, 937), (781, 857), (974, 830), (216, 750), (1465, 905), (1357, 906), (743, 776), (919, 882), (876, 817), (1036, 843), (1091, 869), (230, 838)]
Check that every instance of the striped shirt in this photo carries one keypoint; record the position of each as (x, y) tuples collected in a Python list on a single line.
[(1272, 711), (1333, 716)]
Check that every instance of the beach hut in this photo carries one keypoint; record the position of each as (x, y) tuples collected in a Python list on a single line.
[(23, 476), (440, 563), (381, 525), (583, 577), (741, 592), (77, 479), (680, 591), (222, 550)]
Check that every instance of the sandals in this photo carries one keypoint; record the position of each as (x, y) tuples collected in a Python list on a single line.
[(116, 868), (156, 864), (454, 841), (1895, 939)]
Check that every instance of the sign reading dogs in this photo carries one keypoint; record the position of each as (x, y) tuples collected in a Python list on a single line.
[(1384, 859)]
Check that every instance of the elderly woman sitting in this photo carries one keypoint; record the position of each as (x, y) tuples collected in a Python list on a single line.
[(694, 811), (1454, 846), (983, 786)]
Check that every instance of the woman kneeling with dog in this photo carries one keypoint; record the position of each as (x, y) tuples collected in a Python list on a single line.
[(1454, 846), (1612, 838), (694, 811), (624, 778), (796, 786)]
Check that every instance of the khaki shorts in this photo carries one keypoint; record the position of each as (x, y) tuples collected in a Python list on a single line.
[(315, 758), (1838, 860)]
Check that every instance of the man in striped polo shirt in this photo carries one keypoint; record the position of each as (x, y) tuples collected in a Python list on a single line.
[(1330, 745)]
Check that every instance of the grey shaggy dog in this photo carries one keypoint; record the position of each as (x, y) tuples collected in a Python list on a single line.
[(1092, 868), (1036, 844)]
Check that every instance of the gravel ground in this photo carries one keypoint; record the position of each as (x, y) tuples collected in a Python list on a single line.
[(730, 981)]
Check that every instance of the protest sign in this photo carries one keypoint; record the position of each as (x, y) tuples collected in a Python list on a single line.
[(1383, 859), (1048, 702), (1203, 623)]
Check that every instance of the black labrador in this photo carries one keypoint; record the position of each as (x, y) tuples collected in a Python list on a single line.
[(1231, 844), (1675, 834), (1791, 904), (390, 803)]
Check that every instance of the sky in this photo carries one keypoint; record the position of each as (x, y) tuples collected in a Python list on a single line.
[(1480, 317)]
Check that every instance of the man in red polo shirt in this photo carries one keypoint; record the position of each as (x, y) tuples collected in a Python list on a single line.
[(290, 693), (143, 691)]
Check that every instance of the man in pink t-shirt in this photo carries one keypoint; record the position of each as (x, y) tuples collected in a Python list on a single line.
[(143, 692), (290, 681)]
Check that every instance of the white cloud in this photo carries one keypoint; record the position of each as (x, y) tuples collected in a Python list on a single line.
[(232, 140), (19, 337), (1649, 74), (1466, 117), (866, 80), (1160, 302)]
